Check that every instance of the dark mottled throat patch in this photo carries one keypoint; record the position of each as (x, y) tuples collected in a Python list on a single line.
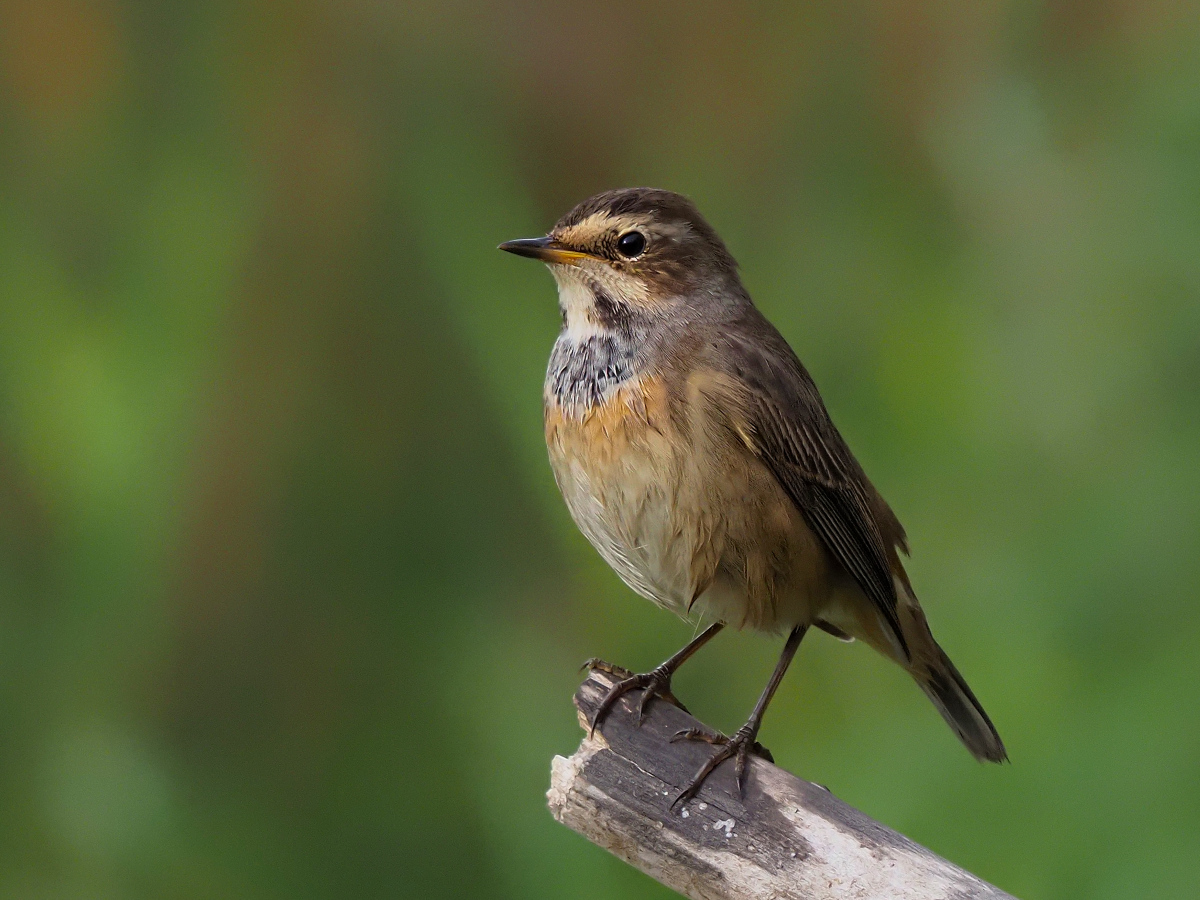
[(582, 372)]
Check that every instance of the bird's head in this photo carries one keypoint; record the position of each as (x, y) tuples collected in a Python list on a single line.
[(633, 254)]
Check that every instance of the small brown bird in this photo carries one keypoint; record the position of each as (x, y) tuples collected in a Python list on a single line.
[(697, 456)]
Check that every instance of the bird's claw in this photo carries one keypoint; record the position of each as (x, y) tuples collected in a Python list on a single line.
[(738, 748), (656, 682), (699, 734), (596, 664)]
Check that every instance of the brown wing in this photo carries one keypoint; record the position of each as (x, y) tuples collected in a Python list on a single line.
[(791, 432)]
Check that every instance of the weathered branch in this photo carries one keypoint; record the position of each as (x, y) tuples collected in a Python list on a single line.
[(787, 839)]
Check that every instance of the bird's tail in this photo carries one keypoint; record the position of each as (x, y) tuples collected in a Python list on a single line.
[(943, 684), (928, 664)]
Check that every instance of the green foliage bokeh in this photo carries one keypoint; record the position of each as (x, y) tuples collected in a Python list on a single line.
[(289, 606)]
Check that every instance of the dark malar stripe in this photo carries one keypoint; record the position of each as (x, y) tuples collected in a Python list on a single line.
[(609, 312)]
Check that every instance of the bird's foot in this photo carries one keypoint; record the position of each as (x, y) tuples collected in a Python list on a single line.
[(596, 664), (738, 748), (655, 682)]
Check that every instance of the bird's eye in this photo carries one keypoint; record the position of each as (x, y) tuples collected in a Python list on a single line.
[(631, 244)]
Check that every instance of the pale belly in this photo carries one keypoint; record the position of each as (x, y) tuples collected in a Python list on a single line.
[(630, 518), (690, 523)]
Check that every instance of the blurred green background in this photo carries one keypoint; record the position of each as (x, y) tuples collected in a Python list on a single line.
[(289, 605)]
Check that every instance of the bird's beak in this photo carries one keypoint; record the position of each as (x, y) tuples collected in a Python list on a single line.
[(544, 248)]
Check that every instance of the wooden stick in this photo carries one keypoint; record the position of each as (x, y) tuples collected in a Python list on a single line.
[(787, 840)]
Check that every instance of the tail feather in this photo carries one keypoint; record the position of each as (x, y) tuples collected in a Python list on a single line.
[(927, 662), (958, 705)]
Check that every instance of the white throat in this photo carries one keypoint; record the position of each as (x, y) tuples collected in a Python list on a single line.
[(577, 298), (577, 304)]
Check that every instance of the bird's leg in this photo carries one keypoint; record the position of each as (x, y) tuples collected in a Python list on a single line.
[(743, 741), (656, 681)]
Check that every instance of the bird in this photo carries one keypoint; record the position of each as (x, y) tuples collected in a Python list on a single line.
[(696, 454)]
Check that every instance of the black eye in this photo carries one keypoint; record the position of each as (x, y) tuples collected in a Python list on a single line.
[(631, 243)]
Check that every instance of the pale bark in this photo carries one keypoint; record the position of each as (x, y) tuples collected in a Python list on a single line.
[(787, 839)]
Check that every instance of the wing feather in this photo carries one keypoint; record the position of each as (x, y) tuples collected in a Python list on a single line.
[(791, 432)]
